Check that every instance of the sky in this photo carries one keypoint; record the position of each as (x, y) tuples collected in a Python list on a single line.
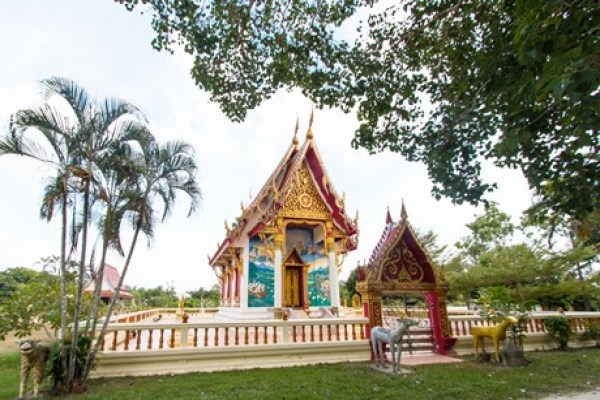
[(107, 50)]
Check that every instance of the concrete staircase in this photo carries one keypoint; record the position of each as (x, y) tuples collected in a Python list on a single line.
[(421, 340)]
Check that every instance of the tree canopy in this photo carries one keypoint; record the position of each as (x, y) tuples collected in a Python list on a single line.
[(490, 261), (447, 83)]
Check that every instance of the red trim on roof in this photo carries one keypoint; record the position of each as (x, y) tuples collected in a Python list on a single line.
[(220, 251), (318, 171), (110, 294), (256, 229)]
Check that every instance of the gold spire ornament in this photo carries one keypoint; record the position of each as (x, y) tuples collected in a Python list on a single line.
[(403, 213), (309, 132), (295, 139)]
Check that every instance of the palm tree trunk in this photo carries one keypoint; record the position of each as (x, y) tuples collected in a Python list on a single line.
[(63, 280), (113, 301), (77, 314), (93, 312), (90, 325)]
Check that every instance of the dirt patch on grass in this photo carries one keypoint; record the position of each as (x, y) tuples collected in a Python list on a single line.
[(8, 345)]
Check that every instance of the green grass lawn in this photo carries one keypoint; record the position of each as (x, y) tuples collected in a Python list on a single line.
[(548, 373)]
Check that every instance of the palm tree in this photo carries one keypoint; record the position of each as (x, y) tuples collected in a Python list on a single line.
[(115, 181), (44, 134), (78, 141), (165, 171), (98, 126)]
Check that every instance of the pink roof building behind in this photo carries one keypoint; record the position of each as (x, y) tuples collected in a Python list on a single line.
[(110, 280)]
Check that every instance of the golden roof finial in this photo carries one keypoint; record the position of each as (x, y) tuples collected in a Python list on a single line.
[(403, 213), (295, 139), (309, 132)]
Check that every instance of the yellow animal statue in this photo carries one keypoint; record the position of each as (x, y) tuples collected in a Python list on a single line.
[(497, 333)]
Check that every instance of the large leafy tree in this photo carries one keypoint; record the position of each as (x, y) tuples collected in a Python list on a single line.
[(515, 82), (527, 271)]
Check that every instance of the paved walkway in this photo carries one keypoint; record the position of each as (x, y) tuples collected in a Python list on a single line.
[(594, 395), (427, 358)]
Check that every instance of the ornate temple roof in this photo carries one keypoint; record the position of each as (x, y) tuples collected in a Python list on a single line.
[(398, 258), (299, 162)]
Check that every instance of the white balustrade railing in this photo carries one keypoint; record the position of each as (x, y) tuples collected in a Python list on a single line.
[(461, 325), (163, 334)]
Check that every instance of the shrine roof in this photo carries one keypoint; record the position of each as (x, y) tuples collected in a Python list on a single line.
[(110, 280), (270, 199), (392, 234)]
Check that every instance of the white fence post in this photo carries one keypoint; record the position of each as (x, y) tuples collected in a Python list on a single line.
[(183, 339)]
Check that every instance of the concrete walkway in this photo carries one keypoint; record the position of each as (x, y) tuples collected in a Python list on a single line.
[(426, 358), (594, 395)]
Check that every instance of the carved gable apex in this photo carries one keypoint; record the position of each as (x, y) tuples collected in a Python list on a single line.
[(302, 198), (294, 257)]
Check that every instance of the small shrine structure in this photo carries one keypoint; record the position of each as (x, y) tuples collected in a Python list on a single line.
[(110, 280), (400, 265), (285, 249)]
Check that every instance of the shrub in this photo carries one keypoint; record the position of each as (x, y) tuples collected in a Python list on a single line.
[(55, 361), (592, 331), (560, 330)]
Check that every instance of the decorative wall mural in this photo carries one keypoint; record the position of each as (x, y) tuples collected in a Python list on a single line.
[(261, 277), (315, 256)]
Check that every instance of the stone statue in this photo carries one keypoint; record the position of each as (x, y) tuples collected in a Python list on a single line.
[(356, 301), (393, 337), (33, 357), (497, 333)]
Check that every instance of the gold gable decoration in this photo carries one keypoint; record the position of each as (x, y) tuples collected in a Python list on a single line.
[(409, 269), (303, 199)]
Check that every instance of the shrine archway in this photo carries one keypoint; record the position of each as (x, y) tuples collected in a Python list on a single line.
[(400, 265)]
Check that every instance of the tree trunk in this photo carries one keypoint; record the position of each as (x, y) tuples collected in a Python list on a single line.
[(113, 301), (93, 312), (80, 278), (63, 280)]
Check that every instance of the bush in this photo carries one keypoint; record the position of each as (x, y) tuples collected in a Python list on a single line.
[(592, 331), (560, 330), (55, 361)]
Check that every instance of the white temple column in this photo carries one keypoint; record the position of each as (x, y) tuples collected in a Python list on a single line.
[(229, 289), (244, 277), (334, 285), (278, 279), (236, 288)]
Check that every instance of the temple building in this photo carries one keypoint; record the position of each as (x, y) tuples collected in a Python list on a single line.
[(400, 265), (285, 249)]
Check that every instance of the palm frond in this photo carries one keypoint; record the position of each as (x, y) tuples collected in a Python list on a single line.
[(53, 194), (111, 110), (75, 95)]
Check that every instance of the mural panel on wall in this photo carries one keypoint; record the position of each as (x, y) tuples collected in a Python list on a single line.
[(314, 255), (261, 276)]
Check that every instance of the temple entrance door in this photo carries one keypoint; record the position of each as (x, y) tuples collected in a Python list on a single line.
[(293, 286)]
